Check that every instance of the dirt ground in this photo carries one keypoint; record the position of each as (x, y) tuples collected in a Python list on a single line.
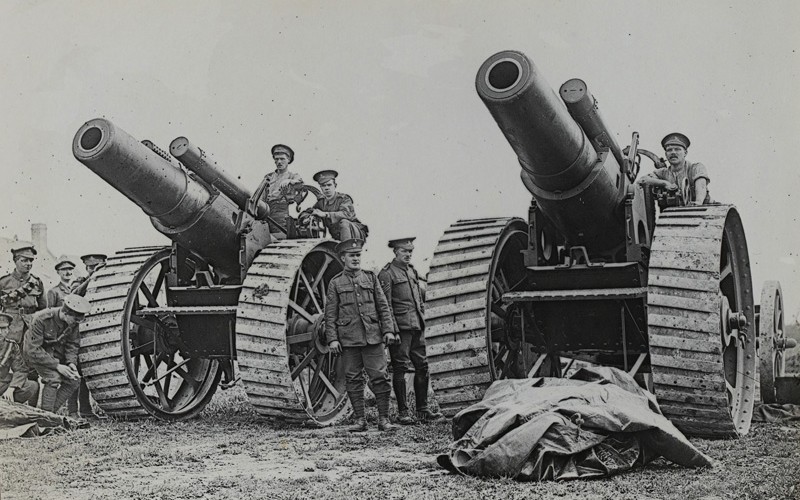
[(228, 452)]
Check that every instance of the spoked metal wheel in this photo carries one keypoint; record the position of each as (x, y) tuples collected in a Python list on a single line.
[(285, 365), (701, 321), (512, 353), (133, 359), (772, 341)]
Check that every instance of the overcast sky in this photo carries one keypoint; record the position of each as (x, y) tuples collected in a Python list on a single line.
[(384, 93)]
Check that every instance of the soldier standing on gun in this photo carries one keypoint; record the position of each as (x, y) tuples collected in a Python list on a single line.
[(277, 188), (335, 210), (64, 268), (78, 403), (357, 324), (400, 283), (21, 295), (51, 348)]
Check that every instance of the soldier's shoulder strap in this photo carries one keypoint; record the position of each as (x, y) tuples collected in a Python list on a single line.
[(344, 196)]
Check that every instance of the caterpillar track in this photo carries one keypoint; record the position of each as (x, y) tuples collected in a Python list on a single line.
[(458, 307), (113, 375), (287, 373), (701, 321)]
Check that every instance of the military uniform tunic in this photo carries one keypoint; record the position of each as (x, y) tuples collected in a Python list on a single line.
[(51, 342), (55, 296), (21, 309), (400, 284), (356, 311), (357, 315), (689, 173), (340, 220), (276, 197)]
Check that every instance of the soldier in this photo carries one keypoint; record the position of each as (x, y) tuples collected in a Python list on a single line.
[(400, 283), (25, 391), (279, 189), (64, 268), (357, 324), (692, 178), (335, 209), (78, 403), (51, 348), (92, 262), (21, 295)]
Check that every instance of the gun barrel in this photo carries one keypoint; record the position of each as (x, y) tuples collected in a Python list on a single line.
[(550, 146), (574, 184), (583, 108), (179, 206), (204, 165)]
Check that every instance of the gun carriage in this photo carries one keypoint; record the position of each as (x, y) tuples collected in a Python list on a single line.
[(168, 322), (593, 275)]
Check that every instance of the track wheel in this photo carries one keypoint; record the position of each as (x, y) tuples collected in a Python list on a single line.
[(772, 341), (133, 363), (701, 321), (286, 368), (472, 337)]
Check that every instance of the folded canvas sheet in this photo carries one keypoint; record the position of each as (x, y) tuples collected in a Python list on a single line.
[(597, 423)]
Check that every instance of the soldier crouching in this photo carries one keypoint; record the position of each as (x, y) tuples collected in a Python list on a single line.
[(51, 348), (357, 324)]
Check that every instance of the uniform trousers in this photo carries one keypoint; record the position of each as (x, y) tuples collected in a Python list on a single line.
[(369, 358), (56, 388), (346, 230), (410, 349)]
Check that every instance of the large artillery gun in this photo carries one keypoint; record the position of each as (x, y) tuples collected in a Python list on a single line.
[(594, 275), (168, 322)]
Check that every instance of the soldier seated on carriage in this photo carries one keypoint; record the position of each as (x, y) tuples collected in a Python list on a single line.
[(685, 182), (335, 210)]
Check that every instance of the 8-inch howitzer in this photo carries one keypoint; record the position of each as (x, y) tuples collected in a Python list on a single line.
[(168, 322), (592, 275)]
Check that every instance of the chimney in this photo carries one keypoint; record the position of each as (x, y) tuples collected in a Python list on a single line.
[(39, 236)]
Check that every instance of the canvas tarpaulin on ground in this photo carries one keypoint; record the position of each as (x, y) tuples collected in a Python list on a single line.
[(596, 423), (19, 420)]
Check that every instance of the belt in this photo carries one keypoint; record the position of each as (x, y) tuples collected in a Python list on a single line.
[(20, 310)]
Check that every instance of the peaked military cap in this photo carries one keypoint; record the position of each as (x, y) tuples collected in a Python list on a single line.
[(24, 250), (77, 304), (5, 320), (64, 262), (281, 148), (94, 258), (351, 245), (325, 175), (406, 243), (675, 139)]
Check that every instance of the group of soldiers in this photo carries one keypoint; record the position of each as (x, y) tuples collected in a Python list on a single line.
[(39, 337), (364, 313)]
